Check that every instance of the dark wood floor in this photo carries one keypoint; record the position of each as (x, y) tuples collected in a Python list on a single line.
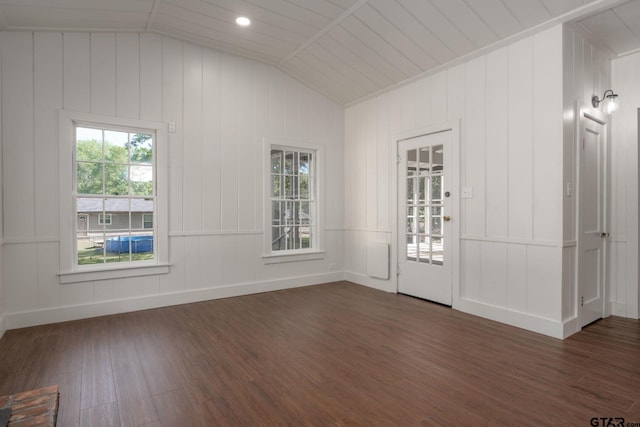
[(328, 355)]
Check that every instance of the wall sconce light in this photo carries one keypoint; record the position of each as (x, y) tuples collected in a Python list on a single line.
[(610, 99)]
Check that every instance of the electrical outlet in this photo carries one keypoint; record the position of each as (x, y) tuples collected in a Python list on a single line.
[(172, 127)]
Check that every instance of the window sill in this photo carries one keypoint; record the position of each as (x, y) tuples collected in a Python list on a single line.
[(293, 257), (112, 273)]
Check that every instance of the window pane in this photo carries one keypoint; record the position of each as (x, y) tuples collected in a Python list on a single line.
[(116, 179), (119, 210), (89, 178), (141, 148), (275, 213), (288, 163), (90, 249), (289, 184), (304, 187), (116, 146), (305, 237), (304, 164), (142, 180), (304, 213), (424, 160), (88, 144), (276, 161), (276, 186)]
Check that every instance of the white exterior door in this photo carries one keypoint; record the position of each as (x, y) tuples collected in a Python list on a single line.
[(424, 217), (592, 230)]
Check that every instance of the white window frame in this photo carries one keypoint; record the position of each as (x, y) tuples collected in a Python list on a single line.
[(69, 272), (143, 221), (317, 250), (105, 219)]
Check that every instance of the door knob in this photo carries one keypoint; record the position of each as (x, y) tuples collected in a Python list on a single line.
[(446, 218)]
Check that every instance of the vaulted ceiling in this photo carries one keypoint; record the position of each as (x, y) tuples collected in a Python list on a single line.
[(346, 49)]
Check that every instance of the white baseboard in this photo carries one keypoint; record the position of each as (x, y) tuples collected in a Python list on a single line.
[(541, 325), (370, 282), (64, 314)]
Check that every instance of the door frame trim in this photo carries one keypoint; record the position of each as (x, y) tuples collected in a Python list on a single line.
[(454, 127), (582, 110)]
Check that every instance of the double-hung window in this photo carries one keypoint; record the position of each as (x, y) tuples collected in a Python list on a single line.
[(292, 203), (110, 185)]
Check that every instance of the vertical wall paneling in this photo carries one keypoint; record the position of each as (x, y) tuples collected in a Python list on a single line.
[(48, 91), (520, 113), (624, 167), (150, 80), (128, 75), (18, 134), (192, 184), (103, 73), (385, 155), (222, 107), (547, 135), (229, 143), (246, 173), (172, 111), (497, 150), (370, 153), (77, 71), (475, 140), (211, 141), (506, 272)]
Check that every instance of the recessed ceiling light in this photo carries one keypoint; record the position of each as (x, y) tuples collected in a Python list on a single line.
[(243, 21)]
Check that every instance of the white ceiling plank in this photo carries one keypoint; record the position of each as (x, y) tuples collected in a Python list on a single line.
[(367, 53), (18, 18), (229, 29), (344, 4), (496, 16), (327, 84), (429, 17), (341, 67), (320, 7), (90, 5), (152, 14), (268, 17), (258, 27), (611, 30), (405, 47), (294, 12), (465, 20), (355, 60), (207, 37), (629, 13), (413, 30), (528, 12), (558, 7)]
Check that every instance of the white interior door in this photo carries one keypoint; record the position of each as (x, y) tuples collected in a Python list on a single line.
[(424, 217), (592, 230)]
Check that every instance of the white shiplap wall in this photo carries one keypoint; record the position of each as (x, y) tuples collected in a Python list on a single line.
[(510, 104), (2, 298), (222, 105), (624, 194), (587, 72)]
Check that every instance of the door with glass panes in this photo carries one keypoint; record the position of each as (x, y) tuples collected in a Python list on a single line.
[(424, 217)]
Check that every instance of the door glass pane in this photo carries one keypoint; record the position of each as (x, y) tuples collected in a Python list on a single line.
[(436, 188), (425, 159), (411, 220), (411, 247), (412, 161), (422, 193), (436, 221), (411, 190), (424, 249), (437, 247)]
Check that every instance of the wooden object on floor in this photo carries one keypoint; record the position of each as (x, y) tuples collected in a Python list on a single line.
[(33, 408), (328, 355)]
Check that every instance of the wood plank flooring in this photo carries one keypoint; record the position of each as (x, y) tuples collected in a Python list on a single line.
[(329, 355)]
